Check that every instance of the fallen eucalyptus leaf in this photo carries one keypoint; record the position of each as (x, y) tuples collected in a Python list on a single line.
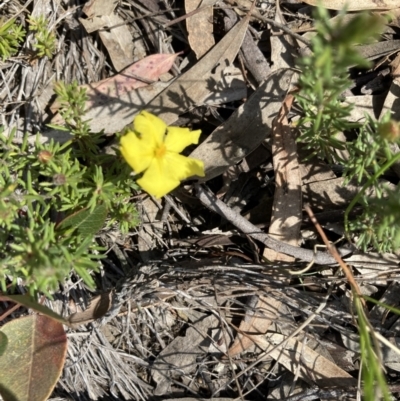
[(34, 358)]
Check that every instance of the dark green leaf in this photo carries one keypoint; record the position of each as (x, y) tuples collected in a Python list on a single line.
[(85, 222)]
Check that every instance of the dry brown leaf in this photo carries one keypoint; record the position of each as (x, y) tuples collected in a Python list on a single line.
[(314, 169), (247, 127), (192, 87), (254, 325), (355, 5), (113, 102), (116, 37), (181, 354), (314, 368), (97, 8), (370, 104), (320, 194), (282, 48), (285, 222), (286, 211), (98, 307), (113, 113), (372, 265), (395, 18), (253, 57), (200, 26), (391, 296)]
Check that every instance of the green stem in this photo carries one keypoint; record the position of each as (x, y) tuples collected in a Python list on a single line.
[(388, 164)]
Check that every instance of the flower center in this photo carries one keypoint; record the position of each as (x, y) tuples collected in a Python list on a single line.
[(160, 151)]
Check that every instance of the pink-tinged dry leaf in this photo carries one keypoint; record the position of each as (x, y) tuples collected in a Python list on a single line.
[(133, 77), (33, 360), (355, 5)]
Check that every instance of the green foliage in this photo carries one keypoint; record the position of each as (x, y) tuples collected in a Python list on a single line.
[(45, 40), (374, 382), (11, 36), (54, 198), (324, 78), (370, 157), (324, 114)]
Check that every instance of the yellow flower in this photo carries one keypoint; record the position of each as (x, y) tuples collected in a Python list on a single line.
[(153, 148)]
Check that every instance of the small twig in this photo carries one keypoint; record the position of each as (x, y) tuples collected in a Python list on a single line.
[(183, 17), (256, 14), (334, 252), (210, 201)]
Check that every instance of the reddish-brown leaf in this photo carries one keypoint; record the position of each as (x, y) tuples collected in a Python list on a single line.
[(133, 77), (33, 359)]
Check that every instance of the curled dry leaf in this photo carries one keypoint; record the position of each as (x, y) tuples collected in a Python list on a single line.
[(98, 307)]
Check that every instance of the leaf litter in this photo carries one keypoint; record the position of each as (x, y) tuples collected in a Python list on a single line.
[(174, 283)]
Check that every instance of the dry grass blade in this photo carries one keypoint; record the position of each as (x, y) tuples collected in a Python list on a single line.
[(332, 249)]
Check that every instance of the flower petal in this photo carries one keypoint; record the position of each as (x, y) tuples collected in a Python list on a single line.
[(137, 152), (183, 167), (165, 174), (156, 181), (179, 138), (150, 128)]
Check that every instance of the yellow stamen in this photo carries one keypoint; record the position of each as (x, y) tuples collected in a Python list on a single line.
[(160, 151)]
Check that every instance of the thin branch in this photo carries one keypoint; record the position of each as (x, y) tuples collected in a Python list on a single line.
[(211, 202)]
